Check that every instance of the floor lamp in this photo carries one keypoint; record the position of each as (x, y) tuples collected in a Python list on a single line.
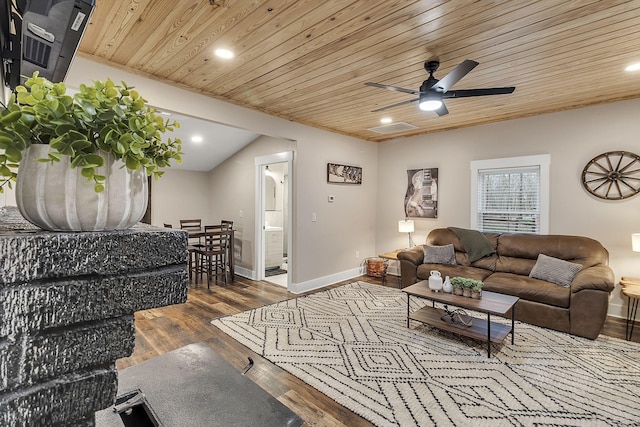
[(406, 226)]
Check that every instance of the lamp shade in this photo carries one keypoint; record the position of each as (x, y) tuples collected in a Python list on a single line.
[(635, 242), (405, 226)]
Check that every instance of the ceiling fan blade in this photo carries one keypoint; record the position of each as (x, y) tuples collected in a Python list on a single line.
[(463, 93), (395, 105), (455, 75), (396, 88), (442, 110)]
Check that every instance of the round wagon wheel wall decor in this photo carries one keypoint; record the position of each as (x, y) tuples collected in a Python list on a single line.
[(614, 175)]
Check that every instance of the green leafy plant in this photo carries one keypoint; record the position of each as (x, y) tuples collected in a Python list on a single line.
[(455, 283), (464, 282), (477, 287), (101, 118)]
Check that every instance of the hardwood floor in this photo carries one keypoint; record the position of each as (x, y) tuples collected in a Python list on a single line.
[(165, 329)]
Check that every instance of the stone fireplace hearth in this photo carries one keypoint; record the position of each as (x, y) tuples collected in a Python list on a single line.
[(66, 313)]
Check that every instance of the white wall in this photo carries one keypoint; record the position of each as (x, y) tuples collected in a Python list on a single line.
[(324, 251), (180, 194), (572, 138)]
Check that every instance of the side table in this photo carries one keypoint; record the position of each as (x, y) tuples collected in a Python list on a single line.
[(393, 256), (631, 289)]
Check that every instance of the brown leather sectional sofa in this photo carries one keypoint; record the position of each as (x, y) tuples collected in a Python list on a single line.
[(579, 309)]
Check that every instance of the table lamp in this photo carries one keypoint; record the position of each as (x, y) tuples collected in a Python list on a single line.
[(635, 242), (406, 226)]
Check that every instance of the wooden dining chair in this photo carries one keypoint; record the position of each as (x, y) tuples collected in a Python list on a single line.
[(191, 224), (195, 243), (228, 224), (212, 258)]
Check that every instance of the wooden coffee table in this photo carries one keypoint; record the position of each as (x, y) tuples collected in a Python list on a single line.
[(490, 303)]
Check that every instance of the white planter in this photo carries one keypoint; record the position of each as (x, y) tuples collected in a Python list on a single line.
[(53, 196)]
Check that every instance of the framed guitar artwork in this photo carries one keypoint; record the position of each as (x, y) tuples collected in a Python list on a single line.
[(421, 199)]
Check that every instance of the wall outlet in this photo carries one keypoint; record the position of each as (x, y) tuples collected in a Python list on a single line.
[(357, 254), (314, 217), (241, 214)]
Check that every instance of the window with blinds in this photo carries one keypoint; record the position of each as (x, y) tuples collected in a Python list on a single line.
[(510, 195), (509, 200)]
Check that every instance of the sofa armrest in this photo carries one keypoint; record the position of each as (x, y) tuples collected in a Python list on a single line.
[(410, 259), (599, 277), (415, 255)]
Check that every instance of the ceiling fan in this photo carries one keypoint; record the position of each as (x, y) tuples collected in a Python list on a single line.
[(433, 91)]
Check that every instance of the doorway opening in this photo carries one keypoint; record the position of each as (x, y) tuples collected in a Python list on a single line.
[(273, 230)]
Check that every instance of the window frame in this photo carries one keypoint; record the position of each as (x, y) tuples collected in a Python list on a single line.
[(542, 161)]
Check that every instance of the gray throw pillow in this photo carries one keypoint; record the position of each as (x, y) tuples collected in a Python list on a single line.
[(555, 270), (439, 254)]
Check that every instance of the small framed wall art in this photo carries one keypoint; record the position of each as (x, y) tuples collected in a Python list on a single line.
[(343, 174)]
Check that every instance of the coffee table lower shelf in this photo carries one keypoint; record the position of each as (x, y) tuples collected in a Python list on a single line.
[(479, 329)]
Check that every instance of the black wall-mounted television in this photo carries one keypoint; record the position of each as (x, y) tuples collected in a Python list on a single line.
[(41, 35)]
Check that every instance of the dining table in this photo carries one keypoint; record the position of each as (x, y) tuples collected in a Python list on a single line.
[(230, 247)]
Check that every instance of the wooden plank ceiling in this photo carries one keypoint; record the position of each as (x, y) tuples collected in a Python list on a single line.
[(308, 60)]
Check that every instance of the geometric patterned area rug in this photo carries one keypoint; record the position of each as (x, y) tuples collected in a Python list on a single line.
[(352, 344)]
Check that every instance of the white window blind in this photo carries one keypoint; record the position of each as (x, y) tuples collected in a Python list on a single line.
[(510, 194), (509, 200)]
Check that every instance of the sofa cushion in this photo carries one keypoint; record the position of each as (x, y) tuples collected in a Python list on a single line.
[(424, 270), (529, 289), (444, 236), (518, 252), (554, 270), (439, 254), (476, 244)]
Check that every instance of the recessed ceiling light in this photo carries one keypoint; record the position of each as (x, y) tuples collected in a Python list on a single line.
[(386, 120), (196, 138), (633, 67), (224, 53)]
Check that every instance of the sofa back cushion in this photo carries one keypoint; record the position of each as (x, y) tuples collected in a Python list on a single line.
[(444, 236), (517, 253)]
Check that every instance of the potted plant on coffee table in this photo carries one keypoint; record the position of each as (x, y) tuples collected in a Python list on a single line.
[(80, 162), (476, 289), (457, 283), (466, 287)]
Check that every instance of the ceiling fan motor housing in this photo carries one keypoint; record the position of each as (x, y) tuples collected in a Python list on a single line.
[(428, 85), (431, 66)]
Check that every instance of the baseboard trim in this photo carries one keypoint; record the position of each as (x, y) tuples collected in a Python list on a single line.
[(246, 273), (321, 282), (617, 310)]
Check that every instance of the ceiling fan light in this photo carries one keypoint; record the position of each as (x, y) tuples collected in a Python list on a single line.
[(430, 101), (429, 104)]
